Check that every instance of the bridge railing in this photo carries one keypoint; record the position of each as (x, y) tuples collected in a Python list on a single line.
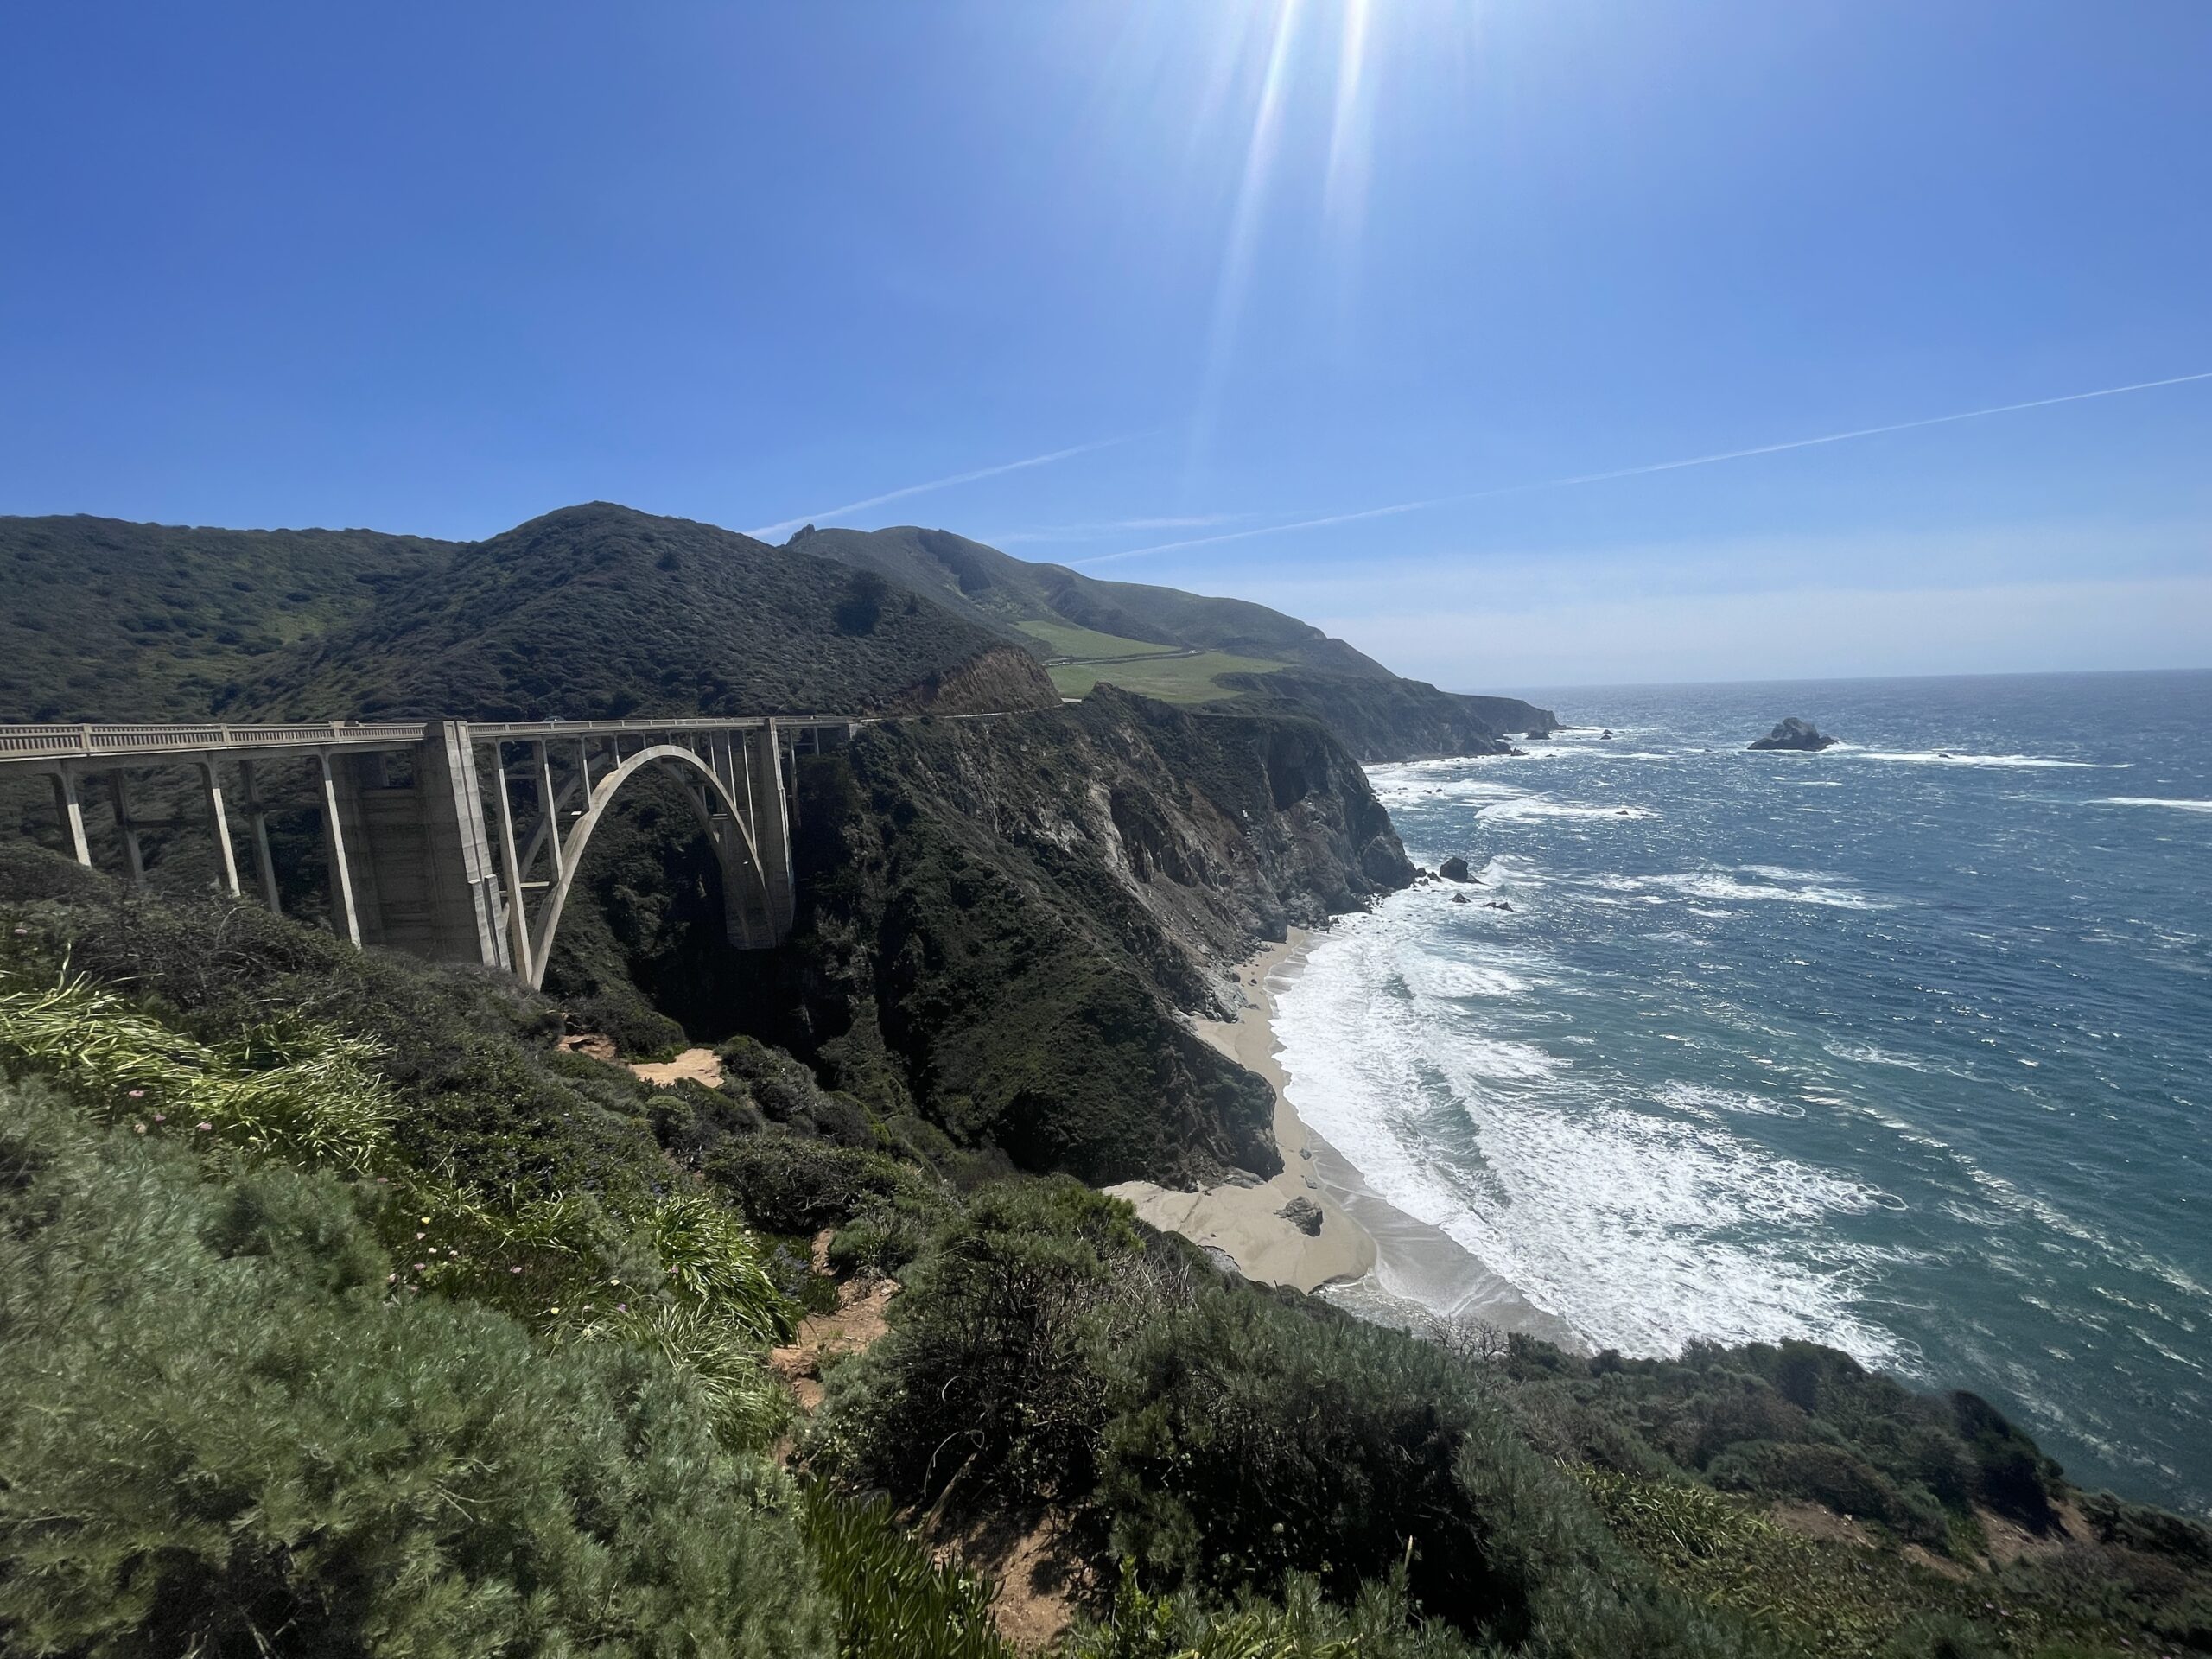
[(81, 742)]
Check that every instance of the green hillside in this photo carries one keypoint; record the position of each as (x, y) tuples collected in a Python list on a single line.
[(114, 621), (590, 611), (999, 589), (598, 610), (1234, 655)]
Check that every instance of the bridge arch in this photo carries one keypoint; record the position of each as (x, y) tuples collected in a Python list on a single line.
[(748, 900)]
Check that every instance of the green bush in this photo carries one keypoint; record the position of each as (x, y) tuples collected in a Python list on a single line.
[(990, 1376), (1833, 1475), (789, 1183), (223, 1434)]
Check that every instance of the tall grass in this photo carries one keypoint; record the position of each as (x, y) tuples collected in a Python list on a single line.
[(289, 1088), (894, 1600), (292, 1090)]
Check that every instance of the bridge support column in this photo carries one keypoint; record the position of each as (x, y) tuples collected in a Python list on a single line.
[(771, 831), (451, 892), (134, 859), (344, 919), (71, 810), (549, 806), (517, 918), (258, 825), (218, 825)]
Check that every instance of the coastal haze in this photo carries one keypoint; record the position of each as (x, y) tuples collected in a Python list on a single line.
[(1899, 1046)]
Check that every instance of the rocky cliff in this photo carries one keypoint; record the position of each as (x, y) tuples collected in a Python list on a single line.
[(1004, 923), (1389, 719)]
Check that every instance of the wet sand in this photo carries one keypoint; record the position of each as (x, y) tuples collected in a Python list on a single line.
[(1375, 1260)]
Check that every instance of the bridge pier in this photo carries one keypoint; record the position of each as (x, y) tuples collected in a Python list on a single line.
[(71, 810), (258, 825), (218, 826), (344, 919)]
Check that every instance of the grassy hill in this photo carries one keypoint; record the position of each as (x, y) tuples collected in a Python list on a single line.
[(599, 611), (999, 590), (1228, 654), (589, 611), (114, 621)]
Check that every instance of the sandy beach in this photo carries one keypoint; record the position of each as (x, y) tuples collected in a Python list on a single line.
[(1245, 1221), (1377, 1261)]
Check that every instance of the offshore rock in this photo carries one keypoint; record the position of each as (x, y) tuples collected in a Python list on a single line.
[(1454, 868), (1795, 733)]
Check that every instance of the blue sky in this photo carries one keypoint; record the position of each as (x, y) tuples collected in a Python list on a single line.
[(1213, 266)]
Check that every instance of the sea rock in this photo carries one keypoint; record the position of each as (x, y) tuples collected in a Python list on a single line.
[(1540, 736), (1461, 898), (1454, 868), (1303, 1214), (1795, 733)]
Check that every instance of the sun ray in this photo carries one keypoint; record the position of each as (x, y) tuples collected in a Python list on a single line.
[(1243, 242)]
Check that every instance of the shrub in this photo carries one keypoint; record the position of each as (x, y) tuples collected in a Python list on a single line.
[(990, 1373), (796, 1183), (222, 1437)]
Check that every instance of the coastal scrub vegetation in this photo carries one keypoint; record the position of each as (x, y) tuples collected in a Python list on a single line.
[(341, 1313)]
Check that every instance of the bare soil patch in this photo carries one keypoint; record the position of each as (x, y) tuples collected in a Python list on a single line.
[(698, 1064)]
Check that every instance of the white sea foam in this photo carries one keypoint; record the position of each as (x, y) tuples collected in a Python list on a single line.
[(1792, 888), (1639, 1228), (1952, 758), (1701, 1100), (1538, 806), (1868, 1055), (2155, 800), (1439, 976)]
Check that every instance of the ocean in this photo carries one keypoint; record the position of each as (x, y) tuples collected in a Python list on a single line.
[(1905, 1047)]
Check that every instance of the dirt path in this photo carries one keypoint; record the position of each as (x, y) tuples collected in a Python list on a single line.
[(699, 1065)]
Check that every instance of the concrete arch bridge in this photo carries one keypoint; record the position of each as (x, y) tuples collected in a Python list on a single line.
[(454, 840)]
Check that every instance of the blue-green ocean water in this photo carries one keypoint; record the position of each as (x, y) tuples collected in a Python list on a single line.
[(1905, 1047)]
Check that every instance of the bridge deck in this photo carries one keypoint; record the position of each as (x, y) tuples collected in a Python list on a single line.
[(153, 743)]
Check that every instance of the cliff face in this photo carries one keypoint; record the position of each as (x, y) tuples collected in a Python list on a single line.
[(1391, 719), (1002, 922)]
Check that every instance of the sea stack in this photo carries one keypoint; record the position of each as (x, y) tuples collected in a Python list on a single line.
[(1795, 733)]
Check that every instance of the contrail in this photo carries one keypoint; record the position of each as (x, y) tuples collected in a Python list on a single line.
[(1638, 472), (766, 531)]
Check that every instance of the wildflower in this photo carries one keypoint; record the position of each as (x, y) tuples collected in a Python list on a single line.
[(418, 1267), (203, 1126), (141, 1128), (621, 1307), (383, 1181), (392, 1278), (421, 1235), (161, 1117), (514, 1269), (426, 1221), (136, 1093), (552, 1310)]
